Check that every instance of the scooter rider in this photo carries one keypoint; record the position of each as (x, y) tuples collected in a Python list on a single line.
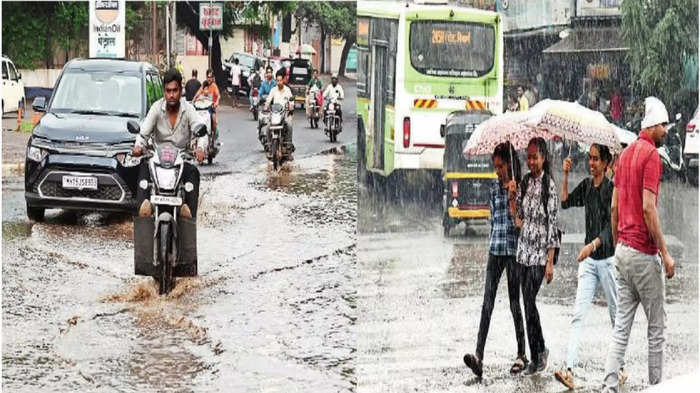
[(314, 81), (281, 94), (334, 90), (254, 81), (170, 119)]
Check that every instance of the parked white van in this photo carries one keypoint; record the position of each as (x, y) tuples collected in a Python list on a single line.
[(12, 87)]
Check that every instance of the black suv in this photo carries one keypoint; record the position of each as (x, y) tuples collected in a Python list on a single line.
[(77, 155)]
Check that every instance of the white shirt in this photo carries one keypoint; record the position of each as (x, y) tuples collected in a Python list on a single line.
[(236, 75), (280, 97), (334, 92)]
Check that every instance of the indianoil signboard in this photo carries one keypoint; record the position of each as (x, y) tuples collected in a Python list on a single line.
[(107, 28)]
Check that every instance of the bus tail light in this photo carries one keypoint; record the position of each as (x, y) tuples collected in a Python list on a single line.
[(455, 190), (406, 132)]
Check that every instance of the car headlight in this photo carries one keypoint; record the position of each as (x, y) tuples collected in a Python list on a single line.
[(166, 177), (127, 160), (36, 154)]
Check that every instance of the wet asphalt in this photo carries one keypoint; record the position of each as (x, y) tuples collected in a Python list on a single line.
[(272, 309), (420, 296)]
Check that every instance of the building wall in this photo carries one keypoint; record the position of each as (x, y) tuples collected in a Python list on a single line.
[(533, 14)]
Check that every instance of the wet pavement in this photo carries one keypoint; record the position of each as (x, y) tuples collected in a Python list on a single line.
[(272, 309), (420, 296)]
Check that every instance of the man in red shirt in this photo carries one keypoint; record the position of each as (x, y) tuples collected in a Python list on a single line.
[(636, 231), (617, 104)]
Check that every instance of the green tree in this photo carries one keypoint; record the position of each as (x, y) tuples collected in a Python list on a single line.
[(659, 34), (26, 33), (336, 19)]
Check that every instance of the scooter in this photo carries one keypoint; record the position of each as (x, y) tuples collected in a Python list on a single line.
[(165, 245), (254, 100), (202, 106), (334, 125), (278, 151), (314, 103)]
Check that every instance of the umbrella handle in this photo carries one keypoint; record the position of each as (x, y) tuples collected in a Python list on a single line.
[(569, 150), (512, 167)]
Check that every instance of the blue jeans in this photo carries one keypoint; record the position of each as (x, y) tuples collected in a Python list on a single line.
[(591, 272)]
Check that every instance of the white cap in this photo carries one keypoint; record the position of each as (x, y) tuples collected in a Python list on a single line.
[(654, 112), (334, 76)]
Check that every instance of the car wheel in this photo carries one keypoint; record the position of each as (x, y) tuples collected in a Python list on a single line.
[(35, 213)]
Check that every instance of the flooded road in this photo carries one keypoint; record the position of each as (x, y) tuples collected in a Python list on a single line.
[(271, 310), (420, 296)]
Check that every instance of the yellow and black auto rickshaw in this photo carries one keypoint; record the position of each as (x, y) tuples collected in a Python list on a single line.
[(466, 180)]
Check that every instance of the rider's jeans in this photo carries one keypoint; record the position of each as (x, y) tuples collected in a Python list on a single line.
[(190, 173)]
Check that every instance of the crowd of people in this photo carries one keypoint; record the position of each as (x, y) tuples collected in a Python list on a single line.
[(624, 252)]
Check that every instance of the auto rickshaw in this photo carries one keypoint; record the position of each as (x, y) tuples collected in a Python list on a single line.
[(299, 76), (466, 181)]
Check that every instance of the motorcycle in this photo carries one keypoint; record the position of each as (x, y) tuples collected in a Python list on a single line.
[(165, 245), (278, 151), (254, 100), (202, 106), (332, 121), (263, 120), (671, 153), (314, 103)]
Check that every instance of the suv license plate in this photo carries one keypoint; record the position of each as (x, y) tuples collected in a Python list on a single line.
[(79, 182), (166, 200)]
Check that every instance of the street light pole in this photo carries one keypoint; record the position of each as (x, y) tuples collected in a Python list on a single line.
[(167, 31), (210, 37)]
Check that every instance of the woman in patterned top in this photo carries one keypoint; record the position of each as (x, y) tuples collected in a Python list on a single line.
[(535, 206), (502, 250)]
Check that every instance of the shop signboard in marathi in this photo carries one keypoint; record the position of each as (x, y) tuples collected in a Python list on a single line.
[(599, 71), (211, 16), (107, 28)]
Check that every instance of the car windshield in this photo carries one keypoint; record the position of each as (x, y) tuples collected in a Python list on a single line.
[(453, 49), (98, 92), (245, 60)]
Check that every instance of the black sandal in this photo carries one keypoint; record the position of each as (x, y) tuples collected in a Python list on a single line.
[(519, 365), (474, 364)]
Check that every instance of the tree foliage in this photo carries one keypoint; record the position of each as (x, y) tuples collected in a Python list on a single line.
[(336, 19), (660, 34)]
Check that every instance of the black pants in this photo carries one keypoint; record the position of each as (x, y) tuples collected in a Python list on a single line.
[(190, 173), (531, 280), (494, 271)]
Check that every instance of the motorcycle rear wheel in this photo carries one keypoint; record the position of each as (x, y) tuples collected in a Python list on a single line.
[(166, 269)]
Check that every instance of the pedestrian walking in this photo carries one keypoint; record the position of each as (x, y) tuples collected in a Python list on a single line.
[(235, 81), (535, 206), (596, 263), (192, 86), (640, 246), (502, 249)]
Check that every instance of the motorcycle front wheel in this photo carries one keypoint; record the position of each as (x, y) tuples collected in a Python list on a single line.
[(166, 269), (274, 148)]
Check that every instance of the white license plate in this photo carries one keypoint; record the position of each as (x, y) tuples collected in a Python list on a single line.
[(166, 200), (80, 182)]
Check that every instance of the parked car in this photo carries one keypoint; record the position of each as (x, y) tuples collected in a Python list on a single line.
[(247, 62), (13, 96), (76, 157), (692, 147)]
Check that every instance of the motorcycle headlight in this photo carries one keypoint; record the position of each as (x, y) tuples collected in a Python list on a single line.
[(36, 154), (166, 178), (276, 118)]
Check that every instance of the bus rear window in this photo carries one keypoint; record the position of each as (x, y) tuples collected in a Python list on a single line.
[(452, 49)]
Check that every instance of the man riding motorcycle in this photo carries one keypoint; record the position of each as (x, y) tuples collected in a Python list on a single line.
[(314, 81), (334, 91), (267, 85), (282, 94), (170, 119)]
